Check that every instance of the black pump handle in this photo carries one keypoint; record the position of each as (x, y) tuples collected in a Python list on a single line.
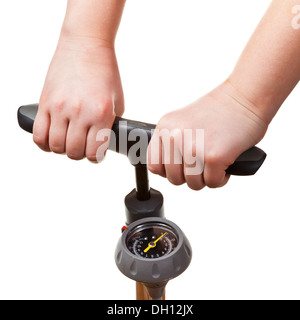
[(246, 164)]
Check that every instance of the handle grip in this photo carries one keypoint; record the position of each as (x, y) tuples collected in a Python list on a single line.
[(246, 164)]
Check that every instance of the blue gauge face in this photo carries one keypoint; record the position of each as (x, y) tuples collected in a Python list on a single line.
[(152, 240)]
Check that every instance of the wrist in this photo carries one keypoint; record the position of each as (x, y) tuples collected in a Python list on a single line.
[(86, 49), (236, 102), (254, 99), (71, 35)]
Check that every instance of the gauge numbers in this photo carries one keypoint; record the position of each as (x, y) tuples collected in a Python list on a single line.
[(152, 241)]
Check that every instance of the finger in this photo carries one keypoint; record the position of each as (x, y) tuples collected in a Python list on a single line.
[(194, 181), (214, 175), (174, 173), (57, 134), (41, 130), (174, 165), (226, 179), (194, 166), (97, 144), (155, 158), (76, 140)]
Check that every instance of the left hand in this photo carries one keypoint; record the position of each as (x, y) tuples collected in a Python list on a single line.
[(231, 126)]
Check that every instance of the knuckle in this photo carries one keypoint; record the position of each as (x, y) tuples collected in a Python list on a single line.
[(164, 122), (169, 120), (213, 157), (44, 100), (106, 103), (76, 109), (57, 107), (103, 110), (99, 115)]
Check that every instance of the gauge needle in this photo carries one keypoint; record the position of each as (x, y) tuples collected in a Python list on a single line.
[(153, 244)]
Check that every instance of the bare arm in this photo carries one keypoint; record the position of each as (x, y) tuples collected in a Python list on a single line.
[(235, 116), (93, 18), (82, 91), (269, 68)]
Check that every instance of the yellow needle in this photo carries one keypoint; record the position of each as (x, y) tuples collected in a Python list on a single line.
[(160, 237), (153, 244)]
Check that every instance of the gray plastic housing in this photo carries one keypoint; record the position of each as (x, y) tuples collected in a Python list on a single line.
[(156, 270), (136, 210)]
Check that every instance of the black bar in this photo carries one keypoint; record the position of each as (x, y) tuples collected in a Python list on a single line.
[(142, 182), (245, 165)]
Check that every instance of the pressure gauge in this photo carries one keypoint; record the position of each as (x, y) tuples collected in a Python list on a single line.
[(153, 250), (152, 240)]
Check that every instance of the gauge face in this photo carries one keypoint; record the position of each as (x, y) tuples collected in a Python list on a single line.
[(152, 240)]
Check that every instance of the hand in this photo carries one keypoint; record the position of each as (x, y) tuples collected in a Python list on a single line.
[(231, 126), (82, 94)]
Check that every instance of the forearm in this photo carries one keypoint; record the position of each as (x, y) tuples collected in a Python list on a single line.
[(97, 19), (269, 68)]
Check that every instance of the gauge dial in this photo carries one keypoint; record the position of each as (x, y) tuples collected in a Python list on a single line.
[(152, 240)]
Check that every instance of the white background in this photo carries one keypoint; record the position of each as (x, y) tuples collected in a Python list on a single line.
[(60, 219)]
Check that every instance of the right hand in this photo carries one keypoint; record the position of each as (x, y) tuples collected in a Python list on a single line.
[(82, 94)]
